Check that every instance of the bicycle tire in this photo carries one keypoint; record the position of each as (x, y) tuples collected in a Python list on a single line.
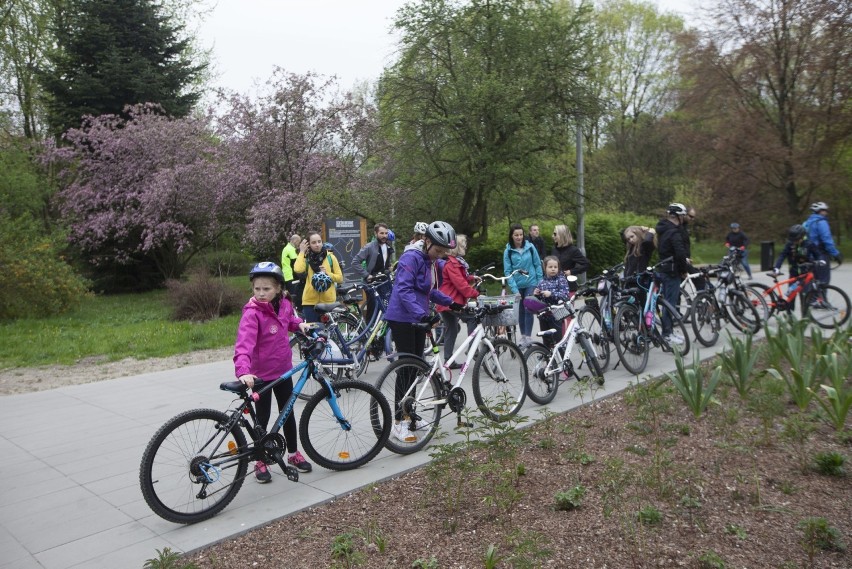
[(333, 373), (706, 319), (425, 408), (769, 296), (677, 324), (499, 380), (590, 357), (541, 386), (169, 473), (590, 319), (335, 448), (755, 296), (827, 307), (741, 312), (631, 341)]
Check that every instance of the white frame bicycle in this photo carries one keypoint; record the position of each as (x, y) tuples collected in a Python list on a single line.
[(498, 379)]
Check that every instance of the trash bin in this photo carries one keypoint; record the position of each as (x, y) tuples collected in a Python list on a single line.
[(767, 255)]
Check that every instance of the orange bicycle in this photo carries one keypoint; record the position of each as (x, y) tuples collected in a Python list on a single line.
[(825, 305)]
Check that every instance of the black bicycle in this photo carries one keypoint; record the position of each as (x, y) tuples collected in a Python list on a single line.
[(197, 462)]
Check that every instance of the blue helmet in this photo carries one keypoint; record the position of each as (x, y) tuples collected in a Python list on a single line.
[(391, 235), (321, 282), (267, 269)]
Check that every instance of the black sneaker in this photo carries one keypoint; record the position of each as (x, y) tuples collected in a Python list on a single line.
[(261, 472)]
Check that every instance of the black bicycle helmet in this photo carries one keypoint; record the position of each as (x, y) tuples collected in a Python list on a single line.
[(321, 282), (267, 269), (796, 232), (442, 234)]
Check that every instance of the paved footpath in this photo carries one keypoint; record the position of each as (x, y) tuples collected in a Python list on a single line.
[(70, 473)]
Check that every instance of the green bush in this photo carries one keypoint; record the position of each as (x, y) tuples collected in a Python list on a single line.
[(203, 297), (34, 278)]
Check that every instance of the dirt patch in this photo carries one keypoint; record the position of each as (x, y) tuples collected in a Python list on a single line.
[(87, 370)]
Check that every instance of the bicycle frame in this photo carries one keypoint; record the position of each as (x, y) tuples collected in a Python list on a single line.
[(805, 280), (568, 341)]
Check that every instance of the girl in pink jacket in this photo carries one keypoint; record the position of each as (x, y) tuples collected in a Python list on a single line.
[(262, 353)]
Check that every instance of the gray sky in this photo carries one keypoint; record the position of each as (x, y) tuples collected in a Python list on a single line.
[(347, 38)]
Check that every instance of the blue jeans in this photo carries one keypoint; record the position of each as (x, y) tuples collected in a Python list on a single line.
[(671, 292), (525, 317)]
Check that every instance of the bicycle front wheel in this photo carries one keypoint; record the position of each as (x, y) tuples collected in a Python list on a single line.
[(590, 320), (415, 397), (631, 339), (499, 380), (742, 313), (334, 373), (827, 307), (706, 319), (543, 380), (755, 296), (770, 297), (338, 446), (192, 468), (587, 351)]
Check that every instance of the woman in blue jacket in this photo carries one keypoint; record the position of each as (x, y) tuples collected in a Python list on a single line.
[(521, 254)]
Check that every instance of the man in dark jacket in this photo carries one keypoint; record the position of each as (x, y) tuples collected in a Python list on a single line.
[(672, 244), (736, 238), (537, 240)]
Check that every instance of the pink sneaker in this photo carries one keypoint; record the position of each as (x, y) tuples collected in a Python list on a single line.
[(298, 461), (261, 472)]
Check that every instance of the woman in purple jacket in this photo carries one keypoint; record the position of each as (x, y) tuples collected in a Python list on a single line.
[(262, 353), (415, 284)]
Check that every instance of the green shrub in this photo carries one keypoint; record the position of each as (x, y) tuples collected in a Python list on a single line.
[(711, 560), (570, 499), (34, 278), (203, 297), (819, 536), (829, 463), (650, 516)]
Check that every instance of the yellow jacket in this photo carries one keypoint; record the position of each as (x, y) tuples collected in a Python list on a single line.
[(310, 296)]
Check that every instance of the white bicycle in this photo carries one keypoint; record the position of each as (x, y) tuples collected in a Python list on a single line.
[(421, 389)]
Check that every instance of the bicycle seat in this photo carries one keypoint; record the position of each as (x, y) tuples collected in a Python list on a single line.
[(326, 307), (346, 288), (237, 387)]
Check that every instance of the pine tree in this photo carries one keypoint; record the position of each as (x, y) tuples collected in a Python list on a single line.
[(114, 53)]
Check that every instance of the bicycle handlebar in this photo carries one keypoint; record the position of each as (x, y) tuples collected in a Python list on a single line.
[(507, 277)]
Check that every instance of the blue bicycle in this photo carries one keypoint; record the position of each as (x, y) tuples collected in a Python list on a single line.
[(197, 462)]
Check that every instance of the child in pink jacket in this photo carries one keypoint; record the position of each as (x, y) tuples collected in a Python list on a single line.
[(262, 353)]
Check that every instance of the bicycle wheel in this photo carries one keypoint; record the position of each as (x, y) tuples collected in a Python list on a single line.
[(755, 296), (770, 297), (742, 313), (590, 320), (587, 350), (706, 319), (631, 341), (678, 328), (333, 373), (500, 380), (419, 407), (331, 445), (348, 325), (827, 307), (189, 472), (541, 384)]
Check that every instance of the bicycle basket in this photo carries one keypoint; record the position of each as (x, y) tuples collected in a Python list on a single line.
[(504, 318), (560, 312)]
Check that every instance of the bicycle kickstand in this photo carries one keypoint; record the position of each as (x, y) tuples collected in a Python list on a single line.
[(460, 423), (291, 472)]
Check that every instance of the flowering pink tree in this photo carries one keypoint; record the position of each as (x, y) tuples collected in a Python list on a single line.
[(307, 146), (150, 186)]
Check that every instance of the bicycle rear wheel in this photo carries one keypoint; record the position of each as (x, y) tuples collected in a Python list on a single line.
[(590, 320), (827, 307), (189, 472), (499, 380), (742, 313), (678, 328), (706, 319), (631, 341), (337, 447), (420, 410), (542, 383)]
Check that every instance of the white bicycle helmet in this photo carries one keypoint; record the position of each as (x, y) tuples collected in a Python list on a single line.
[(267, 269), (676, 209), (819, 206), (321, 282), (420, 227), (442, 234)]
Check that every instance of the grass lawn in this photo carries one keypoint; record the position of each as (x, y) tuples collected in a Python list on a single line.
[(113, 327)]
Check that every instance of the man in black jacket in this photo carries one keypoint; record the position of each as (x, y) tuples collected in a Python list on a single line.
[(537, 240), (672, 244)]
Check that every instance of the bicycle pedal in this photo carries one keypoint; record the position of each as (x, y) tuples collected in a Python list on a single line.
[(292, 474)]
